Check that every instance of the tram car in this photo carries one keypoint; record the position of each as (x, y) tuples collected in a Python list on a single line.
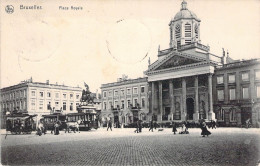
[(87, 121), (20, 123), (50, 120)]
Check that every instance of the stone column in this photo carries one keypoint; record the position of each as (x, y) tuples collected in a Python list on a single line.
[(196, 113), (160, 102), (184, 110), (153, 98), (171, 98), (211, 113)]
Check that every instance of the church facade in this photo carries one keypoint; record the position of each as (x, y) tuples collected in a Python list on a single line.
[(188, 83)]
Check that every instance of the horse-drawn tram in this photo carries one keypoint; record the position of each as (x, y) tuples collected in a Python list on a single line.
[(20, 123), (85, 121)]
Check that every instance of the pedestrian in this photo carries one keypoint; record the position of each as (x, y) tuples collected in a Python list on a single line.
[(204, 130), (151, 126), (109, 125), (155, 125), (184, 130), (247, 123), (174, 128), (56, 128), (140, 126), (213, 124), (137, 127)]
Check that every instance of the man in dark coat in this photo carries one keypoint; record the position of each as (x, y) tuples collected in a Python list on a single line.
[(151, 126), (137, 127), (140, 126), (174, 128), (109, 125)]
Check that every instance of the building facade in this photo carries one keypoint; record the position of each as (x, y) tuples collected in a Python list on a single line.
[(188, 83), (237, 93), (39, 98), (125, 101)]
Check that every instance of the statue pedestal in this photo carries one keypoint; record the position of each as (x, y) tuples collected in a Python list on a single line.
[(87, 108)]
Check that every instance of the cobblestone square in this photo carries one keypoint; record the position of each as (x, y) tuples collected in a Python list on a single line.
[(226, 146)]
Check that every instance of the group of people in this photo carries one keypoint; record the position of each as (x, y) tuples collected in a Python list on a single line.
[(184, 128), (42, 128)]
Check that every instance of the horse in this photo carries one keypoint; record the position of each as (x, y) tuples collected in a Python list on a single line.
[(73, 126)]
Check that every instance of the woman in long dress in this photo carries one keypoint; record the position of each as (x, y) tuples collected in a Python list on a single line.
[(204, 130)]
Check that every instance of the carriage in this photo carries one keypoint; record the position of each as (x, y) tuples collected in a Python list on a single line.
[(20, 123)]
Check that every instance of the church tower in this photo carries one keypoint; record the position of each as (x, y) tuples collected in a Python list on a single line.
[(184, 27)]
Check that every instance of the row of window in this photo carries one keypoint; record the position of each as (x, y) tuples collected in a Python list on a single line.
[(13, 105), (232, 77), (13, 95), (232, 115), (122, 104), (57, 95), (122, 92), (56, 106), (232, 93)]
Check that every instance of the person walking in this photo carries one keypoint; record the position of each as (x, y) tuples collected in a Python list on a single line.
[(248, 123), (155, 125), (137, 127), (151, 126), (204, 130), (56, 128), (109, 125), (213, 124), (140, 126), (174, 128)]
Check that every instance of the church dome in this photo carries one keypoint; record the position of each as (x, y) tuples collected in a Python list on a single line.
[(185, 13)]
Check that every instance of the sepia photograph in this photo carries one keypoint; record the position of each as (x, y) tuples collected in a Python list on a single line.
[(133, 82)]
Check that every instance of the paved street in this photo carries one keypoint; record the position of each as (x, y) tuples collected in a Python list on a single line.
[(226, 146)]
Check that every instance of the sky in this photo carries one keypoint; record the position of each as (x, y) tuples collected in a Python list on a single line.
[(109, 38)]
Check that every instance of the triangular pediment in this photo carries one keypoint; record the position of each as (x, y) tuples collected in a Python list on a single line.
[(176, 61)]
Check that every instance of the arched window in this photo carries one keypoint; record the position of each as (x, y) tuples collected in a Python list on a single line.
[(196, 32), (232, 114)]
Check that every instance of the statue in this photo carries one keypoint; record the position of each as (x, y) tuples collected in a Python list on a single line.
[(87, 96)]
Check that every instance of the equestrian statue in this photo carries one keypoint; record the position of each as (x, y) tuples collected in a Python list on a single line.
[(87, 96)]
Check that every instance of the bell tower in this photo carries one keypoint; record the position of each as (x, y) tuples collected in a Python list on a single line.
[(184, 27)]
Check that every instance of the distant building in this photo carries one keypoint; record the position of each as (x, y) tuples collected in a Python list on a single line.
[(39, 98), (125, 101), (237, 93), (188, 83)]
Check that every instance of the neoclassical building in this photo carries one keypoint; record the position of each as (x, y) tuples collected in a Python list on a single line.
[(39, 98), (188, 83), (124, 101)]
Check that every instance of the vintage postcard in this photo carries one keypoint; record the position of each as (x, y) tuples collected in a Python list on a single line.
[(141, 82)]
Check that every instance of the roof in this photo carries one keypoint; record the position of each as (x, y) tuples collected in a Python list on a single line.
[(185, 13)]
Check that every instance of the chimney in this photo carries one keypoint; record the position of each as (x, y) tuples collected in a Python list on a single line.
[(97, 94), (47, 82)]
